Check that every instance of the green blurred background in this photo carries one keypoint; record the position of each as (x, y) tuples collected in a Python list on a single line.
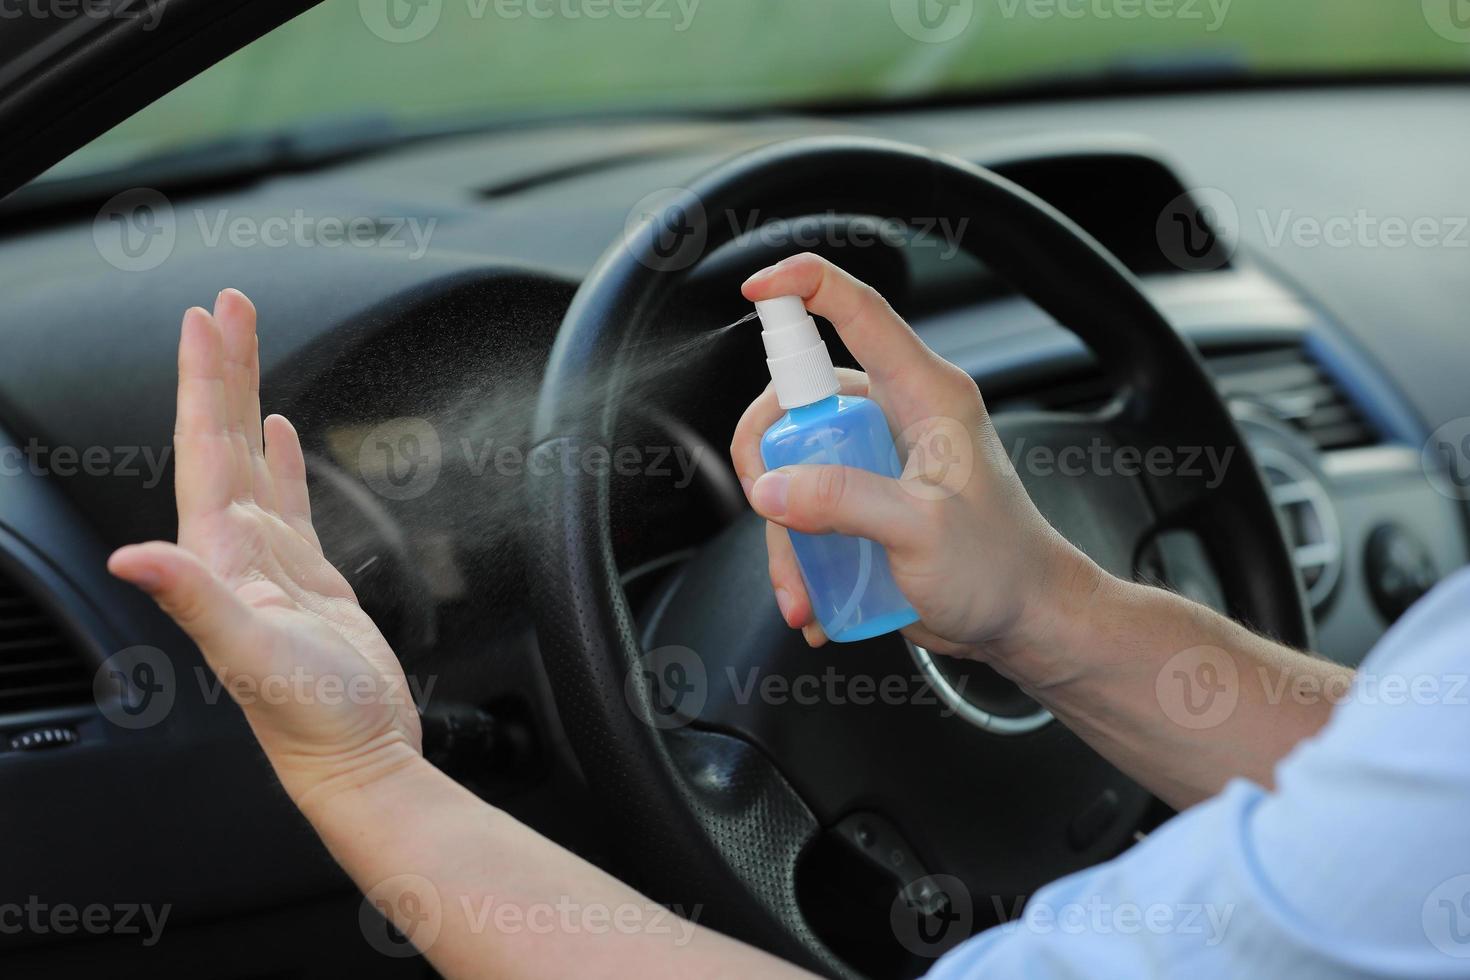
[(347, 57)]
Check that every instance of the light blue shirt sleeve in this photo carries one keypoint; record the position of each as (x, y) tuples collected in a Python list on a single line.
[(1356, 865)]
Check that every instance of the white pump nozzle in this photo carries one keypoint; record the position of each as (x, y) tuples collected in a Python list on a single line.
[(800, 365)]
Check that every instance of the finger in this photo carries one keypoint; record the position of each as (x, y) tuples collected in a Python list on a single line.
[(791, 597), (745, 447), (236, 318), (814, 635), (796, 607), (209, 474), (206, 608), (287, 466), (839, 500), (878, 337)]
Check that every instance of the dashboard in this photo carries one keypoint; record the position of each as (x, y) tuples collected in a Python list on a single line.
[(1339, 362)]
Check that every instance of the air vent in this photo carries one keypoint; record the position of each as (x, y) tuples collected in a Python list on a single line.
[(1285, 381), (39, 666), (1290, 385), (1309, 520)]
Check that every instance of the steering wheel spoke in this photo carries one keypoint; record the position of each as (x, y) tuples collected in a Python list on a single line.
[(1086, 477)]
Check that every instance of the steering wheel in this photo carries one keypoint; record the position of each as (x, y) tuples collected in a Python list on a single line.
[(724, 811)]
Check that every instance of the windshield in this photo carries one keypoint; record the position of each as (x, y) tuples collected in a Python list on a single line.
[(420, 60)]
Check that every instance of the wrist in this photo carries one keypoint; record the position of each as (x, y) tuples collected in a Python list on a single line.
[(1059, 622), (315, 781)]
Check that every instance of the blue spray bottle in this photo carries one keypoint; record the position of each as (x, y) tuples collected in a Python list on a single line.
[(848, 579)]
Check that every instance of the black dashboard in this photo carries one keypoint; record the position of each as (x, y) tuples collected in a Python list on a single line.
[(1340, 362)]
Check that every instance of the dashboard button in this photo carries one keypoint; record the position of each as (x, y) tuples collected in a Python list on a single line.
[(1400, 570)]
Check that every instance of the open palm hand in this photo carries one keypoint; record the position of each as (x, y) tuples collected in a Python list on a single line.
[(248, 580)]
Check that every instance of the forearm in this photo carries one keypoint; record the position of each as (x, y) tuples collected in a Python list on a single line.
[(1177, 696), (484, 896)]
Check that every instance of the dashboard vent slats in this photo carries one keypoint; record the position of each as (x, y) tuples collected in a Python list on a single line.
[(39, 666), (1284, 380), (1288, 383)]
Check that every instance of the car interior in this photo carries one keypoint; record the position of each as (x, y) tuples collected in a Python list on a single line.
[(460, 247)]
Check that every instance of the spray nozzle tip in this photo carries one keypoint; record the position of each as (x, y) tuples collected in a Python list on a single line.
[(781, 313)]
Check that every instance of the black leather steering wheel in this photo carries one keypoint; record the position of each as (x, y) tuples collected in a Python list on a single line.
[(719, 812)]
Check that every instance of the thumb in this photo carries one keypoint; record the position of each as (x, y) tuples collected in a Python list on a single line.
[(838, 500), (202, 605)]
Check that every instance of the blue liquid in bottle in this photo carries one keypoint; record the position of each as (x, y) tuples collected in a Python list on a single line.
[(848, 579), (851, 586)]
